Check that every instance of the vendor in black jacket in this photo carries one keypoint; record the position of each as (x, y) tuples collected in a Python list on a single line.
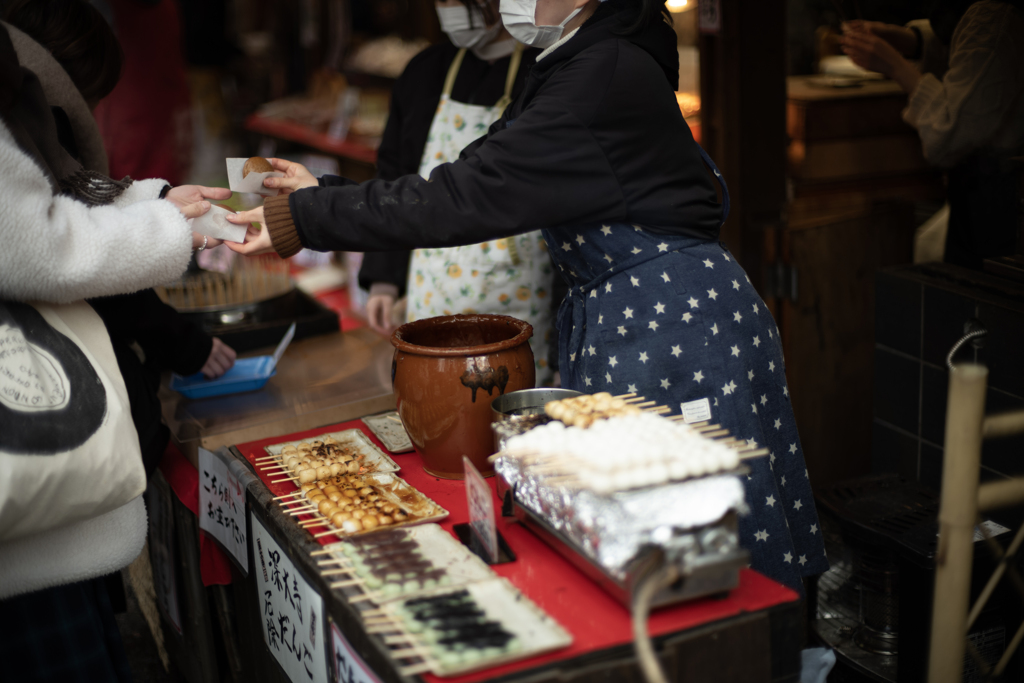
[(596, 153)]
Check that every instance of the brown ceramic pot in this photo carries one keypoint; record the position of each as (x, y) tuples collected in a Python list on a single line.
[(445, 372)]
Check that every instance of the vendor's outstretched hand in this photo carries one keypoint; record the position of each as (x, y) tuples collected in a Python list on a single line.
[(257, 237), (296, 176), (183, 195)]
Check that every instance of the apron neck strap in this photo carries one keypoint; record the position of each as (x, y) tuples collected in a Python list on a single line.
[(453, 71), (510, 77)]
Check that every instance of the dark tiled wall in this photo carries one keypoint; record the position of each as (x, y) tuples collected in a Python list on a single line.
[(920, 312)]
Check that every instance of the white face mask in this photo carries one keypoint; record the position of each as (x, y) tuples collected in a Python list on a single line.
[(466, 27), (518, 17)]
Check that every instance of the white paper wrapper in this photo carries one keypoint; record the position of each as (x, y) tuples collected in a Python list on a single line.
[(214, 223), (252, 182)]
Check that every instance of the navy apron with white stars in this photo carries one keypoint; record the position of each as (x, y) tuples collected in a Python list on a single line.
[(676, 320)]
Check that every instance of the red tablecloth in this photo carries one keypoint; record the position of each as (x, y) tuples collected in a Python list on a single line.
[(594, 619), (214, 565)]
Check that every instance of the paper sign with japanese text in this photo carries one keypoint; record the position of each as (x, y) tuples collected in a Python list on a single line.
[(349, 667), (291, 611), (222, 507), (481, 510)]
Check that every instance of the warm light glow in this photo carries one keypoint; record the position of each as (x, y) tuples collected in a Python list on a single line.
[(676, 5)]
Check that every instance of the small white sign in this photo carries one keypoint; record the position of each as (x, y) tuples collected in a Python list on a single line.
[(290, 610), (222, 507), (696, 411), (710, 13), (349, 667), (991, 527), (481, 510)]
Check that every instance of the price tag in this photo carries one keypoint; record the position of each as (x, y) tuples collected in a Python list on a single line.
[(291, 611), (710, 13), (481, 510), (222, 506), (349, 667)]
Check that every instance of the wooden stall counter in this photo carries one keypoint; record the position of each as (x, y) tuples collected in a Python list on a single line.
[(320, 380)]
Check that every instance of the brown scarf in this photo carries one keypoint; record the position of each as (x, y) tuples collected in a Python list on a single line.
[(26, 113)]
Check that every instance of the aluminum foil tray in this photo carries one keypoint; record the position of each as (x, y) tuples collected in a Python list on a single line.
[(708, 571)]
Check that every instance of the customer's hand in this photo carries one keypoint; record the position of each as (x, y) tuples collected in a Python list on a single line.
[(900, 37), (296, 176), (379, 308), (871, 52), (257, 237), (222, 359), (183, 195)]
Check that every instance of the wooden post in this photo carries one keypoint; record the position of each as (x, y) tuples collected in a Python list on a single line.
[(958, 513)]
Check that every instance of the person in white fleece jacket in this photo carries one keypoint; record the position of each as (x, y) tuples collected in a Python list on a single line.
[(68, 234), (967, 104)]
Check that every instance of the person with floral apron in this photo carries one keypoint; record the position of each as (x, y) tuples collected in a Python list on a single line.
[(595, 152), (510, 276)]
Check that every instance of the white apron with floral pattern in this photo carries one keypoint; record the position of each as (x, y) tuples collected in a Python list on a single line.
[(508, 276)]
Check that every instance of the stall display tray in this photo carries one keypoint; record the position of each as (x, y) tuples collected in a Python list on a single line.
[(508, 627), (388, 428), (419, 508), (432, 559), (374, 459)]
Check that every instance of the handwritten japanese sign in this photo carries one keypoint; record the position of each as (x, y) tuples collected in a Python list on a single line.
[(291, 611), (222, 506), (481, 510), (349, 667)]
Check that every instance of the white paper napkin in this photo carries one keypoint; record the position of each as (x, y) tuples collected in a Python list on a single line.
[(214, 223), (252, 182)]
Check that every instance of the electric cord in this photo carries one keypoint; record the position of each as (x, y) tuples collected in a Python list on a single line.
[(973, 334), (660, 578)]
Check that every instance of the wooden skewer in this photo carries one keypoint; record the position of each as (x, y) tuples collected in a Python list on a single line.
[(373, 612), (759, 453), (393, 418), (268, 457), (301, 511), (632, 393), (383, 619), (703, 427), (414, 651), (274, 467), (349, 582), (333, 561), (278, 481), (381, 629), (289, 495), (335, 572), (416, 669), (333, 548), (364, 597), (645, 403), (676, 418), (315, 523), (327, 533), (399, 639), (714, 434)]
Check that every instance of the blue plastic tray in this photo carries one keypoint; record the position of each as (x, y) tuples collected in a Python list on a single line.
[(248, 374)]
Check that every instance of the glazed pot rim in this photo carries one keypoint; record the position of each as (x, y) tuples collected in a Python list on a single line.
[(524, 334)]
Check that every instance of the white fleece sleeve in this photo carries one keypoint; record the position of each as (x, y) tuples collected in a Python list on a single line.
[(56, 249), (962, 112)]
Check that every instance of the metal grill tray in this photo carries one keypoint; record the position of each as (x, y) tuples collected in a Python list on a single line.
[(708, 574)]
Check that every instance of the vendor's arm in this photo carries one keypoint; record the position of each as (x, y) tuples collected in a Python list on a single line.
[(961, 113), (57, 249), (509, 186)]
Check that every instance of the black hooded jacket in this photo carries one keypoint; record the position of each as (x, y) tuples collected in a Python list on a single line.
[(596, 136)]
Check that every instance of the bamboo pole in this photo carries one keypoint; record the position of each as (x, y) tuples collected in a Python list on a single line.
[(958, 510)]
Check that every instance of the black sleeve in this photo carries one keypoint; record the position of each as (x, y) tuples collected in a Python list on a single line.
[(168, 339), (544, 170)]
